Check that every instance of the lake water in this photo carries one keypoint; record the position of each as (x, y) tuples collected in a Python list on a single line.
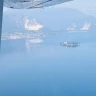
[(48, 69)]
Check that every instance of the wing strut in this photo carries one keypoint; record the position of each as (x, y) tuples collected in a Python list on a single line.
[(1, 15)]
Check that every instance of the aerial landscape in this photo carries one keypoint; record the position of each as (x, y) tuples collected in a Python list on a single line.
[(49, 51)]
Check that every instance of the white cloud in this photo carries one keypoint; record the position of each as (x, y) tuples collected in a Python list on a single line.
[(32, 25)]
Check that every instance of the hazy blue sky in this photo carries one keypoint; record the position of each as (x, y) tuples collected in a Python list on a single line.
[(86, 6)]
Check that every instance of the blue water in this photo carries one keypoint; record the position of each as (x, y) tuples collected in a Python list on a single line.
[(49, 70)]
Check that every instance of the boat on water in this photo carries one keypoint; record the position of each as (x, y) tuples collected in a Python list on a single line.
[(70, 44)]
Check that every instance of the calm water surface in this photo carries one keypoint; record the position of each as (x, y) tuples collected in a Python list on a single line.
[(49, 70)]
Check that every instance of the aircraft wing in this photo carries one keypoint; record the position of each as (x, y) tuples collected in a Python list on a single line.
[(29, 4)]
